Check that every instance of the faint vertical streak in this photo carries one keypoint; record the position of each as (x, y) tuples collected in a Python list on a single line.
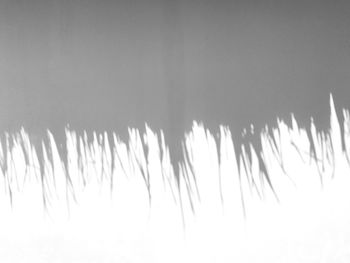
[(174, 73)]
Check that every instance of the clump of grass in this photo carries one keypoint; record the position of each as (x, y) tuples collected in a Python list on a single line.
[(64, 172)]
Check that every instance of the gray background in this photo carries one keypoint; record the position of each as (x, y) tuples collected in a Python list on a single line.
[(106, 65)]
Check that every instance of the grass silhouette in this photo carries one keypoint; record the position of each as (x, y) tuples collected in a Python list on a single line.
[(216, 177), (103, 153)]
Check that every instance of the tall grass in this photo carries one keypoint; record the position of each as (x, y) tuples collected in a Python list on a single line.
[(219, 194)]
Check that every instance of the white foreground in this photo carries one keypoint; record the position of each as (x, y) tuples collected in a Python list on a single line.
[(90, 221)]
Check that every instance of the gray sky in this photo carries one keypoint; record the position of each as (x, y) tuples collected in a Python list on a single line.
[(106, 65)]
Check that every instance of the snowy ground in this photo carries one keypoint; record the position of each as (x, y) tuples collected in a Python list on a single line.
[(104, 215)]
